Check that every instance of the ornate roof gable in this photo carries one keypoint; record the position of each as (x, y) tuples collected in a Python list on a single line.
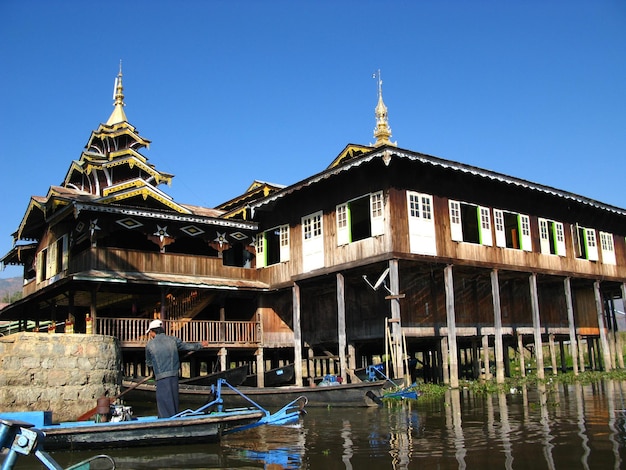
[(111, 167)]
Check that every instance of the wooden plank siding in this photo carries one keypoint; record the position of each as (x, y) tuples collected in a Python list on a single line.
[(121, 260), (395, 242)]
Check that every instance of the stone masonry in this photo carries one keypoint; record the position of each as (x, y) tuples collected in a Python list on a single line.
[(62, 373)]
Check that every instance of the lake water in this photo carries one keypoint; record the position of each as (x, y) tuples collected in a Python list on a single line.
[(568, 427)]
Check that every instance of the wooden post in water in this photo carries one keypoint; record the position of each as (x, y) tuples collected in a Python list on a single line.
[(297, 335), (581, 353), (570, 321), (619, 343), (341, 326), (260, 368), (451, 321), (552, 348), (486, 357), (396, 322), (497, 323), (520, 348), (444, 360), (604, 344), (534, 302)]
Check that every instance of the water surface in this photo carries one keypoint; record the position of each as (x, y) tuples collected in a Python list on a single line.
[(569, 427)]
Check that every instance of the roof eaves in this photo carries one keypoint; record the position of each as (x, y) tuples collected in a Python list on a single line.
[(386, 153)]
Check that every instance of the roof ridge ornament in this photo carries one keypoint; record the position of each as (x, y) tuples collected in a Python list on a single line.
[(382, 132), (118, 115)]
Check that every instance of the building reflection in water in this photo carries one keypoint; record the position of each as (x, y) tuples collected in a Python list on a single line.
[(346, 435)]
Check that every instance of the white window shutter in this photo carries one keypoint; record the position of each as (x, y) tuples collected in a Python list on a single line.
[(456, 228), (544, 236), (343, 224), (260, 250), (41, 270), (422, 238), (312, 242), (591, 244), (607, 247), (284, 243), (498, 220), (377, 213), (524, 230), (484, 225), (52, 260), (559, 236)]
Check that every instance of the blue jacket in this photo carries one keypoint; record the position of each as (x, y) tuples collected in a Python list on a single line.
[(162, 354)]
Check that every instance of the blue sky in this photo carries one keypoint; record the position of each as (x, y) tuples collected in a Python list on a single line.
[(233, 91)]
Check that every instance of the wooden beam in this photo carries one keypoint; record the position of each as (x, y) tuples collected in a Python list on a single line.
[(497, 323), (534, 304), (452, 351), (570, 321), (604, 344), (297, 334), (341, 326)]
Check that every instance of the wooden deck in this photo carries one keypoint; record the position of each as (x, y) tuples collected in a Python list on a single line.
[(231, 334)]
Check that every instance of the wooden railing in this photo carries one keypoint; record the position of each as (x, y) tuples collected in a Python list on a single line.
[(232, 334)]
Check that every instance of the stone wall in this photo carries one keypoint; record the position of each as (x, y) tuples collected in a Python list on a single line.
[(62, 373)]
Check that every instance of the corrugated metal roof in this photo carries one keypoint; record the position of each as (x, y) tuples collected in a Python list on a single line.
[(388, 153)]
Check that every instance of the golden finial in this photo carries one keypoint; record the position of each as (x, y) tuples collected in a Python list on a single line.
[(382, 132), (118, 114)]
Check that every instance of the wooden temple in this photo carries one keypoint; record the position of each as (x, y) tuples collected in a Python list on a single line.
[(387, 254)]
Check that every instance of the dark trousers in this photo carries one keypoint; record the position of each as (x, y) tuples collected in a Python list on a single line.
[(167, 396)]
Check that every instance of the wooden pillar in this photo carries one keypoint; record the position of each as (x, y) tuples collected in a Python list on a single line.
[(506, 360), (445, 369), (619, 343), (222, 354), (591, 353), (396, 322), (604, 344), (486, 357), (341, 326), (352, 362), (563, 358), (581, 353), (534, 302), (520, 348), (570, 320), (475, 359), (93, 312), (260, 368), (552, 352), (297, 335), (311, 365), (613, 333), (497, 322), (451, 320)]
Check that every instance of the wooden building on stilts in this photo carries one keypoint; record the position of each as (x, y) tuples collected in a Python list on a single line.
[(386, 255)]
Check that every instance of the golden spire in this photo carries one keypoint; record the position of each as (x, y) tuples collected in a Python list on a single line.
[(118, 114), (382, 132)]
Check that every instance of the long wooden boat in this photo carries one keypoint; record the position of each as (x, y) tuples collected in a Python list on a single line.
[(340, 395), (273, 377), (235, 376), (205, 424)]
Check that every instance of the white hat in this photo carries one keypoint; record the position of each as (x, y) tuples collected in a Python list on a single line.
[(154, 324)]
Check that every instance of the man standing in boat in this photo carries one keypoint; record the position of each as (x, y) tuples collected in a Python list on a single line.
[(162, 355)]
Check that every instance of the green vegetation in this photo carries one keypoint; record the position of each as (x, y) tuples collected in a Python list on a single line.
[(434, 391)]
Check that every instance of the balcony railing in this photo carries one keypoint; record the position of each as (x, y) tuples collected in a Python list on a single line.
[(232, 334)]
